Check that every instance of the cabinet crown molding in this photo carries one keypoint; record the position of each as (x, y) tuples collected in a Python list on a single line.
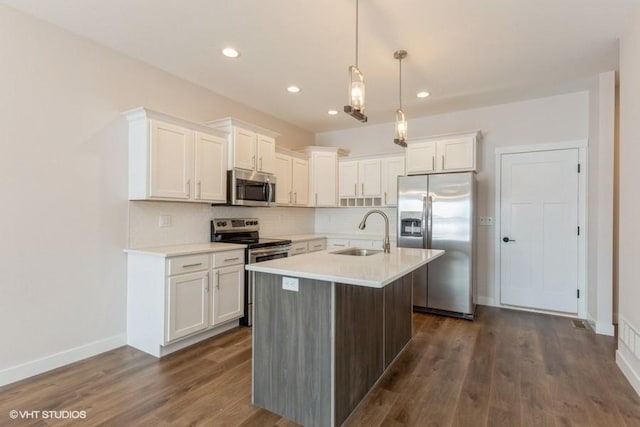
[(477, 134), (230, 121), (140, 113), (315, 148)]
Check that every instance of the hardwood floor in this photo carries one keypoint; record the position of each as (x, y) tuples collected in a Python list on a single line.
[(506, 368)]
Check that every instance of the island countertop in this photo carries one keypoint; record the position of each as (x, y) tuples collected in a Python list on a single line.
[(374, 271)]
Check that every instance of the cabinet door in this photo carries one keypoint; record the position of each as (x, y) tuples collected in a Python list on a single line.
[(300, 181), (244, 149), (324, 177), (266, 154), (421, 157), (392, 168), (369, 175), (188, 304), (284, 194), (228, 294), (210, 168), (456, 154), (171, 161), (348, 179)]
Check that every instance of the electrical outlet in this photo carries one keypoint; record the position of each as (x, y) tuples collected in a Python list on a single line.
[(486, 221), (164, 220), (290, 284)]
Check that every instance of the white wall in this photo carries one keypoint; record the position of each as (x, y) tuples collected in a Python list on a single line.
[(629, 209), (346, 221), (545, 120), (600, 285), (63, 181)]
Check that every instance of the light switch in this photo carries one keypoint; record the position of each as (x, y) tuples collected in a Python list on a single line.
[(290, 284)]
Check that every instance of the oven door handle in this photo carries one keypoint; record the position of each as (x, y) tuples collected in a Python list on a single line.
[(270, 250)]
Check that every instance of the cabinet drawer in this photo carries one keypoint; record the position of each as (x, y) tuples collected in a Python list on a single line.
[(186, 264), (337, 244), (298, 248), (317, 245), (222, 259)]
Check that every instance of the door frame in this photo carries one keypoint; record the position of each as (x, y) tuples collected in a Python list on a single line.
[(582, 146)]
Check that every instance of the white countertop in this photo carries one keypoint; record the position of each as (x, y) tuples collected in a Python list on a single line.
[(375, 271), (188, 249)]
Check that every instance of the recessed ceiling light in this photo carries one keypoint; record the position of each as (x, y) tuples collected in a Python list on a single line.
[(423, 94), (230, 52), (332, 112), (293, 89)]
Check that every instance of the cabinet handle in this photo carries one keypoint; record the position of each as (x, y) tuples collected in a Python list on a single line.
[(295, 197), (335, 244), (191, 265), (442, 162), (231, 259), (199, 189), (316, 199), (189, 188), (290, 197), (217, 280), (355, 189), (253, 161), (260, 162), (433, 162), (385, 197), (362, 194)]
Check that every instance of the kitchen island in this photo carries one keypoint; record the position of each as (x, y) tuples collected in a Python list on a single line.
[(327, 326)]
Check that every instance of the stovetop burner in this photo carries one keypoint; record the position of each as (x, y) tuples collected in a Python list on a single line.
[(243, 231)]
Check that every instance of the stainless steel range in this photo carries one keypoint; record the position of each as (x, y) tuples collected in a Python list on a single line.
[(246, 231)]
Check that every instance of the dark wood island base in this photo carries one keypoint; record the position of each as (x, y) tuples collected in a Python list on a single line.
[(319, 350)]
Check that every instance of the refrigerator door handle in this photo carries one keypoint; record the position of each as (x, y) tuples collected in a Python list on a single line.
[(425, 226), (430, 221)]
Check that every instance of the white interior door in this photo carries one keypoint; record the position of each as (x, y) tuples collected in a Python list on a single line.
[(539, 230)]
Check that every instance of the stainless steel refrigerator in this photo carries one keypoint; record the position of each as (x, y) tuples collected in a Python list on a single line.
[(438, 211)]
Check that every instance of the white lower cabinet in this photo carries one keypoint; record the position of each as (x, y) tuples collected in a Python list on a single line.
[(188, 310), (227, 296), (176, 301)]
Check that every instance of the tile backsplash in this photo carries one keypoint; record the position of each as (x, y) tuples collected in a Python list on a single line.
[(190, 222), (346, 221)]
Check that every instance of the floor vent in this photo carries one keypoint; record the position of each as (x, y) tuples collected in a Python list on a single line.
[(578, 324)]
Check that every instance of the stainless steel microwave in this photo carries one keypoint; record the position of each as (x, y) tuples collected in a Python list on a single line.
[(246, 188)]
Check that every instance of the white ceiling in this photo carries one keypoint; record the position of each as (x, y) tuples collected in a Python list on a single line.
[(467, 53)]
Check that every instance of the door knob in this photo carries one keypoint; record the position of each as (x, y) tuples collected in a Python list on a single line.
[(507, 240)]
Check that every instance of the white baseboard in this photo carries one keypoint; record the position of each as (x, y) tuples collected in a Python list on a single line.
[(628, 371), (603, 328), (485, 301), (47, 363)]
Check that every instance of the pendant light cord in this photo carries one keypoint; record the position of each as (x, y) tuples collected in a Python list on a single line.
[(400, 85), (357, 34)]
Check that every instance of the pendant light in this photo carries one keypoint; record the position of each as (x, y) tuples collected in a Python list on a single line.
[(356, 86), (400, 134)]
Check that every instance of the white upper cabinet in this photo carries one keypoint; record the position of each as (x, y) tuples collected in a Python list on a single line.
[(392, 168), (300, 181), (265, 154), (323, 176), (251, 147), (172, 159), (449, 153), (348, 178), (211, 167), (369, 176), (360, 178), (284, 195)]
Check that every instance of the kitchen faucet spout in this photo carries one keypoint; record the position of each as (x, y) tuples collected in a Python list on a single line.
[(386, 245)]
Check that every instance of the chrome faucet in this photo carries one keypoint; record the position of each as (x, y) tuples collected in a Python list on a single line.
[(385, 244)]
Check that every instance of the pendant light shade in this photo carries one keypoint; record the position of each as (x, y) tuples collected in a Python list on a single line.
[(356, 86), (400, 134)]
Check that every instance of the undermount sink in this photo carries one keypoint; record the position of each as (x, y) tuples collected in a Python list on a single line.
[(357, 252)]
